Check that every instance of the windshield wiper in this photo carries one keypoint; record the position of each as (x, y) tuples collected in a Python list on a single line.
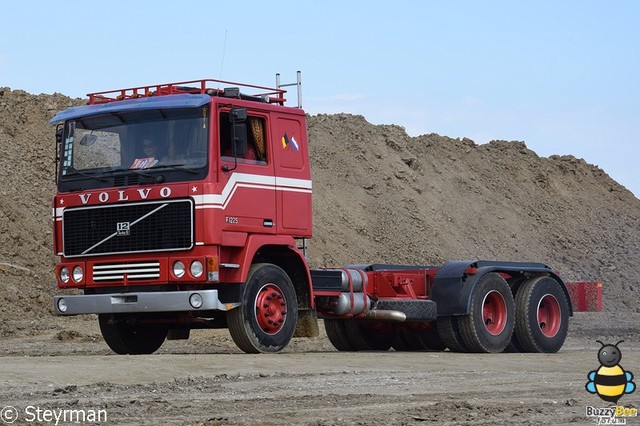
[(72, 172), (180, 167), (149, 177), (124, 172)]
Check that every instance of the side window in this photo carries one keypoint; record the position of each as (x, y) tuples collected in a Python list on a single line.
[(256, 140)]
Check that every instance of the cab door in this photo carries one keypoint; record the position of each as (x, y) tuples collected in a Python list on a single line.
[(247, 182)]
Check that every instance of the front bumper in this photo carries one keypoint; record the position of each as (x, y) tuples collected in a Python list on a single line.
[(116, 303)]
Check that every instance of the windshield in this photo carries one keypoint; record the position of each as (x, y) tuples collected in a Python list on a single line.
[(135, 142)]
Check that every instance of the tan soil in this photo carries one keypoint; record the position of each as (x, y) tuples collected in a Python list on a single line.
[(379, 196)]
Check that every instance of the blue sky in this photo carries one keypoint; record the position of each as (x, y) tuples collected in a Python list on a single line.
[(562, 76)]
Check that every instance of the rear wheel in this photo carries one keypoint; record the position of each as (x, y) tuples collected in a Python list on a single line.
[(363, 336), (449, 333), (490, 323), (542, 316), (337, 334), (514, 345), (403, 341), (425, 339), (266, 319), (125, 337), (430, 339)]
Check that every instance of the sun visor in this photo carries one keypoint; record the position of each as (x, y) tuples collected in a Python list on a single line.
[(140, 104)]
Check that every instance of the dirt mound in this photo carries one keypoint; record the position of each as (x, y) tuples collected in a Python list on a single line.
[(379, 196), (26, 189)]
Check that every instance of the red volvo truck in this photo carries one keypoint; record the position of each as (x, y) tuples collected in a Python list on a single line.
[(188, 205)]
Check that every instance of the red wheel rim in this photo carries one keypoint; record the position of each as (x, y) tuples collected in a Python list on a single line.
[(549, 317), (271, 309), (494, 312)]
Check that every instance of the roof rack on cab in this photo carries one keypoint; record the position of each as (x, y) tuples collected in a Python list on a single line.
[(208, 86)]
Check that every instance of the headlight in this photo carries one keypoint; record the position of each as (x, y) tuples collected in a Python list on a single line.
[(62, 305), (77, 274), (178, 269), (196, 268), (64, 274)]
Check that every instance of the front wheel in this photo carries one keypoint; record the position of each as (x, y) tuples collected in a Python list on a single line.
[(266, 319), (125, 336), (542, 320)]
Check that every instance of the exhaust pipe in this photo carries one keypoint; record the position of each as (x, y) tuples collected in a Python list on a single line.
[(383, 315)]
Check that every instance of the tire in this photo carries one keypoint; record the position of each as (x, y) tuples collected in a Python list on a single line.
[(403, 342), (430, 340), (542, 316), (337, 334), (490, 323), (418, 340), (266, 319), (354, 335), (125, 337), (364, 337), (449, 333), (514, 345)]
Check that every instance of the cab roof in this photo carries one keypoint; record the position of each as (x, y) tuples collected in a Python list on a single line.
[(139, 104)]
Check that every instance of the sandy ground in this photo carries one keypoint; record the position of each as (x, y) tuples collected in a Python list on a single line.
[(207, 381)]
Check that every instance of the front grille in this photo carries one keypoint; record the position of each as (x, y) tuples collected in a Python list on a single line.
[(133, 271), (128, 228)]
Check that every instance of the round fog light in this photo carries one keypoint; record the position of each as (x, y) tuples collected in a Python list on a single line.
[(178, 269), (195, 300), (196, 268), (64, 274), (62, 305), (77, 274)]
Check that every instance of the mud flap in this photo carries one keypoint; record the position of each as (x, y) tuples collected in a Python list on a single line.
[(307, 325)]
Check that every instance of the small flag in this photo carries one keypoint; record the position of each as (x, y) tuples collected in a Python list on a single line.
[(286, 140), (295, 144)]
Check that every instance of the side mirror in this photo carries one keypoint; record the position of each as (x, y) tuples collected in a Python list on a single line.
[(56, 157), (238, 115), (240, 139), (59, 132)]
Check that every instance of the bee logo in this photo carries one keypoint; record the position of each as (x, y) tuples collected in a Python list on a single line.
[(610, 381)]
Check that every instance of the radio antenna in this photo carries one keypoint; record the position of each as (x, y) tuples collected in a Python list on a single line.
[(224, 49)]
